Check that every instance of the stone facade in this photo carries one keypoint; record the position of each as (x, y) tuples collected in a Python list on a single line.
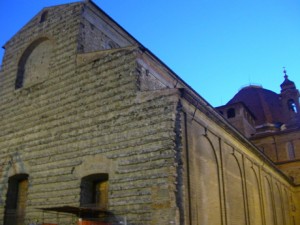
[(80, 97)]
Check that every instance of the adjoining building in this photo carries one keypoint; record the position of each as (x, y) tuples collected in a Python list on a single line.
[(271, 121), (95, 129)]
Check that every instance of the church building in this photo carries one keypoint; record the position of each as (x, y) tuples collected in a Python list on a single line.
[(271, 121), (96, 130)]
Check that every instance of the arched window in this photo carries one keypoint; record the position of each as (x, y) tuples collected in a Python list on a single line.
[(292, 105), (231, 113), (34, 63), (94, 191), (16, 199), (290, 151)]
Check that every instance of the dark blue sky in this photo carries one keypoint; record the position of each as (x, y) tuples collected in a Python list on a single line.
[(216, 46)]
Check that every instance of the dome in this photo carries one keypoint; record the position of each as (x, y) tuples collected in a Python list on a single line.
[(263, 103), (287, 84)]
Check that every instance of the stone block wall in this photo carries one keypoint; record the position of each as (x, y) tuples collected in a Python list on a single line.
[(117, 110), (230, 182), (90, 121), (85, 117)]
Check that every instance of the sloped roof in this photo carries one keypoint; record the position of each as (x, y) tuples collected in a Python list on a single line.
[(263, 103)]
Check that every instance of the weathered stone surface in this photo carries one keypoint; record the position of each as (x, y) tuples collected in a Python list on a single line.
[(107, 106)]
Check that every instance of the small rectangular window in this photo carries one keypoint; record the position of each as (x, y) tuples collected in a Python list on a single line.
[(230, 113), (94, 191)]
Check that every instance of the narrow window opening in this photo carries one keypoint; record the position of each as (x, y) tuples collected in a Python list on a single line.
[(290, 151), (16, 200), (231, 113), (292, 106), (44, 17)]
